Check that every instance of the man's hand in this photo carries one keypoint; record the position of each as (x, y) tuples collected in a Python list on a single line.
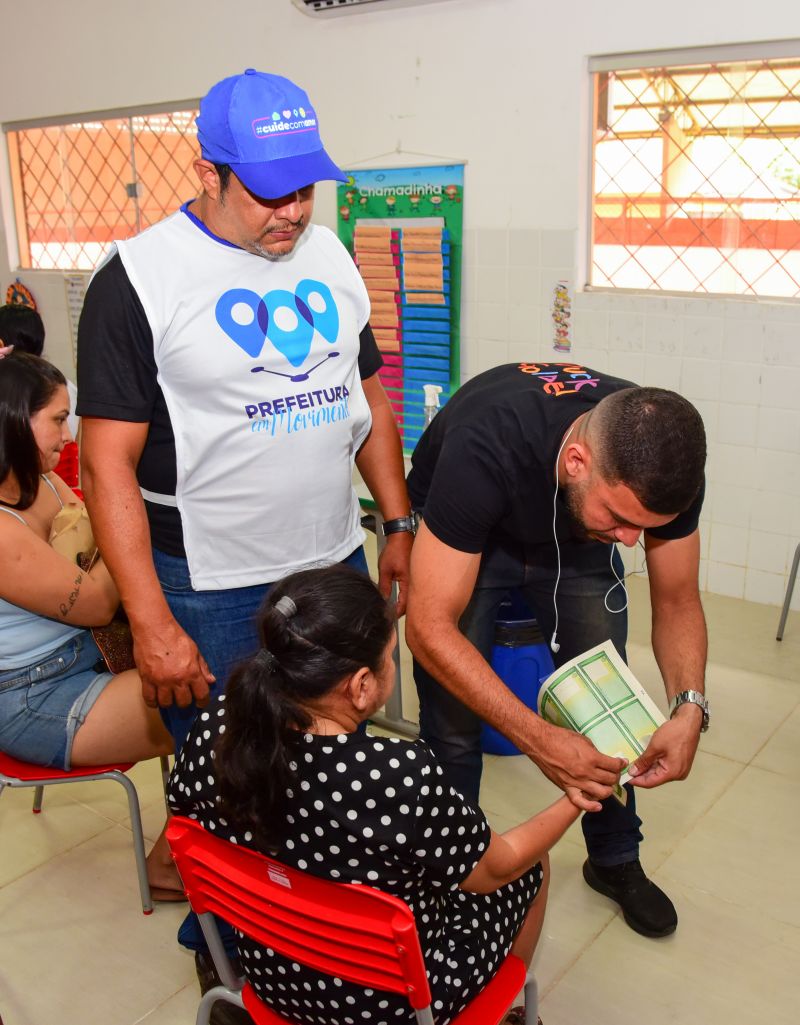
[(171, 667), (671, 750), (393, 565), (573, 763)]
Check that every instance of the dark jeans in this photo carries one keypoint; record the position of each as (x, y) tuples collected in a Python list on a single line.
[(454, 731), (223, 626), (221, 623)]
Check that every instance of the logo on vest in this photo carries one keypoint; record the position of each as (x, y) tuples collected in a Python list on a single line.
[(286, 319)]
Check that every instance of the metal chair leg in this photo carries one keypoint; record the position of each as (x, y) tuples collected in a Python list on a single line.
[(38, 794), (211, 997), (138, 839), (531, 1000), (789, 590)]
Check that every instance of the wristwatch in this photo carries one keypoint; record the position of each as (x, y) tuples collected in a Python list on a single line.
[(398, 526), (693, 697)]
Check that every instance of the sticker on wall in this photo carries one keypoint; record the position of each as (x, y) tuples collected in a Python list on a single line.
[(562, 303)]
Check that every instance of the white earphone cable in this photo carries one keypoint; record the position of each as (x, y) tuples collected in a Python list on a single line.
[(555, 647)]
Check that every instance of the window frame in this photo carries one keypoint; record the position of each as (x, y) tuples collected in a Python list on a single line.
[(785, 49), (12, 185)]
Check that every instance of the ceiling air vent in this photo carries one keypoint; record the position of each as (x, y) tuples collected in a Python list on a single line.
[(323, 7)]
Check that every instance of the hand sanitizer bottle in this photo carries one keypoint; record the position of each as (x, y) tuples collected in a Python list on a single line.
[(431, 407)]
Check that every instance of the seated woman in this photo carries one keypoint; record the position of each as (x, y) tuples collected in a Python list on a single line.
[(59, 706), (280, 764)]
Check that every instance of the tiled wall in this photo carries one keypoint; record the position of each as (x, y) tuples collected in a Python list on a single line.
[(738, 361)]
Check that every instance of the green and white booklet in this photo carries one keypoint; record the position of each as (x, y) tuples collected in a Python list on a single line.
[(597, 695)]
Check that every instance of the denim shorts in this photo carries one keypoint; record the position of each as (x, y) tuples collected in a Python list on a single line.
[(42, 705)]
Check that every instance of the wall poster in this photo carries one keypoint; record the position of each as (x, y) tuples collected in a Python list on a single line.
[(404, 229)]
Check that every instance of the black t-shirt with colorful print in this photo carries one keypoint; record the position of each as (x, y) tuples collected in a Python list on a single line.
[(483, 472)]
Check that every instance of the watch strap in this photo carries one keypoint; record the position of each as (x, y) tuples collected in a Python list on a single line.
[(693, 697), (399, 525)]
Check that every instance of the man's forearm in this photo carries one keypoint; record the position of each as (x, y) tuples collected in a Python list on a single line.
[(680, 645), (459, 667), (569, 760), (119, 521), (380, 463)]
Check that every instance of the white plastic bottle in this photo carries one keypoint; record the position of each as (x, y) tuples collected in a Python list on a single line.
[(431, 407)]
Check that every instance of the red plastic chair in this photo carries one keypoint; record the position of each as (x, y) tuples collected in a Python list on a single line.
[(350, 931), (16, 774), (68, 468)]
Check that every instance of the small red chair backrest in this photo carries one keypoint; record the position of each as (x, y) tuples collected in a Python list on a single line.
[(68, 468), (342, 929)]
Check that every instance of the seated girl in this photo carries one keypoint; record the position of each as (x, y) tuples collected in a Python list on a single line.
[(59, 706), (279, 764)]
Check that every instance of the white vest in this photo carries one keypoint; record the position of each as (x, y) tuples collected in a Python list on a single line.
[(258, 364)]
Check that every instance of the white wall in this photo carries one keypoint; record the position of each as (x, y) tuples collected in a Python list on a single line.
[(502, 84)]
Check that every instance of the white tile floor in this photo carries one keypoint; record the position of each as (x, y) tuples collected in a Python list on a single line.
[(76, 950)]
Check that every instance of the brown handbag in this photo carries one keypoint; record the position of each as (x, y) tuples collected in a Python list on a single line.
[(115, 639)]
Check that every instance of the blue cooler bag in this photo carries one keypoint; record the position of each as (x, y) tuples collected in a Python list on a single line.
[(522, 660)]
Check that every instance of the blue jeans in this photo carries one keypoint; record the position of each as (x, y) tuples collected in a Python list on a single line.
[(221, 623), (454, 731), (223, 626)]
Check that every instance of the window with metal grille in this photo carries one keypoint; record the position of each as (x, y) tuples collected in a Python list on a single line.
[(696, 171), (80, 184)]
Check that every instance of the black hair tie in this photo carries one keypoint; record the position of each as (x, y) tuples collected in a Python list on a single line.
[(267, 660)]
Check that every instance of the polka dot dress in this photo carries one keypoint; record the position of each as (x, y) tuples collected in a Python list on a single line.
[(375, 811)]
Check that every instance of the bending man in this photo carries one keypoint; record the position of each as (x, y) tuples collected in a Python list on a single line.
[(526, 481)]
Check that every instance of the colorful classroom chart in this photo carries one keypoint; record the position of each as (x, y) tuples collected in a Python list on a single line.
[(404, 229)]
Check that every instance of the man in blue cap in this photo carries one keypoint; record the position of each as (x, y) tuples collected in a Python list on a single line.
[(228, 381)]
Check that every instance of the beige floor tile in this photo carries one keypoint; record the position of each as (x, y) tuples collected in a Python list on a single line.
[(781, 753), (723, 965), (746, 707), (108, 798), (741, 634), (574, 918), (77, 949), (513, 788), (744, 850), (179, 1009), (28, 841), (669, 812)]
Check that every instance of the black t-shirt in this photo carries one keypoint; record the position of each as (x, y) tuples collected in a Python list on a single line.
[(117, 380), (483, 471)]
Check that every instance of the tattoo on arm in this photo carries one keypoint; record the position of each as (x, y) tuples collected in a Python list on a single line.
[(66, 606)]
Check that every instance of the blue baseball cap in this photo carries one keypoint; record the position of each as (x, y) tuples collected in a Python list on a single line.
[(265, 127)]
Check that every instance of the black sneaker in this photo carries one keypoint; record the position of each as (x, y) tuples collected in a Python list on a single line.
[(223, 1012), (645, 907)]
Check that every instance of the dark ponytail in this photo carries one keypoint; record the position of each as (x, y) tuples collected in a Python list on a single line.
[(316, 627)]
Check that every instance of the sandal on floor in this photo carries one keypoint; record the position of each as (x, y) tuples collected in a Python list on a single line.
[(516, 1016), (166, 895)]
